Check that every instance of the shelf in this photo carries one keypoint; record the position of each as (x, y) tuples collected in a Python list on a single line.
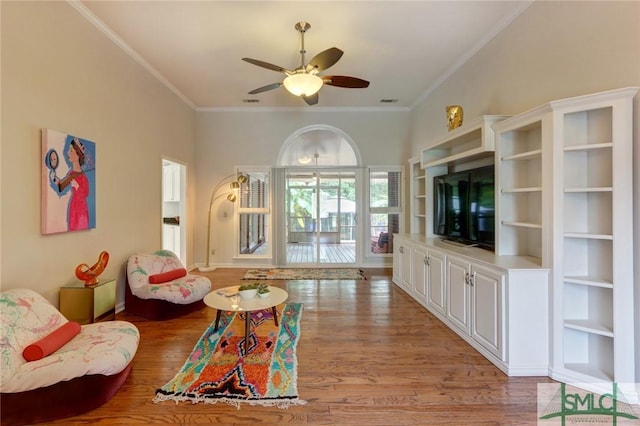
[(588, 168), (590, 371), (583, 302), (588, 236), (591, 259), (521, 218), (522, 224), (462, 157), (529, 155), (519, 138), (521, 190), (588, 146), (589, 353), (588, 211), (521, 239), (591, 189), (590, 127), (588, 281), (471, 141), (589, 327)]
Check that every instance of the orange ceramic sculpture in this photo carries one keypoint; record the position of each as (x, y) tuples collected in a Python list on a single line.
[(90, 274)]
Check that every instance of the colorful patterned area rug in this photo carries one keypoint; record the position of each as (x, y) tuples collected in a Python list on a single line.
[(218, 370), (305, 274)]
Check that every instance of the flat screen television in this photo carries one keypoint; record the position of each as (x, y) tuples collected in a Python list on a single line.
[(464, 207)]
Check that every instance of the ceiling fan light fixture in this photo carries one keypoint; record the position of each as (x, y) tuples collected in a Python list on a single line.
[(305, 159), (302, 84)]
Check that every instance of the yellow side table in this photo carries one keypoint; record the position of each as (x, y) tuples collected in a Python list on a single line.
[(89, 304)]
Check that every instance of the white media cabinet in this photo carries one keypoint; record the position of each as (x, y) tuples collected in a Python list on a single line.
[(498, 304), (557, 296)]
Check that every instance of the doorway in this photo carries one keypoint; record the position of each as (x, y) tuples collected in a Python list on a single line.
[(318, 190), (321, 212), (173, 208)]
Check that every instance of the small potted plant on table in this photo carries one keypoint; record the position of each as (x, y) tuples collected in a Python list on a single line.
[(248, 291), (263, 290)]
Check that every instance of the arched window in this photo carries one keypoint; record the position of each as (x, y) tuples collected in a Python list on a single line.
[(318, 145)]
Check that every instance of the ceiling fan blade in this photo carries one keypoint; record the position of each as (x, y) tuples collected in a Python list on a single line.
[(325, 59), (266, 65), (265, 88), (311, 100), (344, 81)]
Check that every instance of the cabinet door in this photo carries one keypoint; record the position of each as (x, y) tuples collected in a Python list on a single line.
[(487, 297), (397, 261), (436, 281), (420, 271), (457, 276), (402, 263), (405, 267)]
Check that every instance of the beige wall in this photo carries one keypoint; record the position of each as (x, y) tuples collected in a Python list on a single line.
[(59, 72), (553, 50)]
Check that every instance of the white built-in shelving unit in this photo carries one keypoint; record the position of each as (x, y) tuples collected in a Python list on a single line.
[(418, 190), (565, 197), (564, 242), (520, 190), (594, 340)]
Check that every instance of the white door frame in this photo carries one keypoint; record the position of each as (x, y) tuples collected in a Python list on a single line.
[(180, 209)]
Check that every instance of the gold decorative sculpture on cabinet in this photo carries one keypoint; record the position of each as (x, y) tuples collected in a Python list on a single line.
[(454, 116)]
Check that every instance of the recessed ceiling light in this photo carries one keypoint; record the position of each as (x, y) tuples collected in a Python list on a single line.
[(251, 101), (388, 101)]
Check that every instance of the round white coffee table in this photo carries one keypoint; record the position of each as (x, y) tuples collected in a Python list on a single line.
[(228, 299)]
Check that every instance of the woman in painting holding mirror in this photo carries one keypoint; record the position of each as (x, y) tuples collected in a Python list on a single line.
[(78, 211)]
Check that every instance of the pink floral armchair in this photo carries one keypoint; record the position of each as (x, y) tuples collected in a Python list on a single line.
[(79, 376), (160, 288)]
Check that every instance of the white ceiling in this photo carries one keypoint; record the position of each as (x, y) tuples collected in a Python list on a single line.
[(405, 49)]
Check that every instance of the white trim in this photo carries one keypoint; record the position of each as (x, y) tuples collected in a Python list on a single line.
[(303, 109)]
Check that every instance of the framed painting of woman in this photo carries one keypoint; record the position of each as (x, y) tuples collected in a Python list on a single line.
[(68, 183)]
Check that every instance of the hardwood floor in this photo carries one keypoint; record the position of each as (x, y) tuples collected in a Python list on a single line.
[(368, 355)]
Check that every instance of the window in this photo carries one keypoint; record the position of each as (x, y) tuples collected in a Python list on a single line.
[(253, 213), (385, 208)]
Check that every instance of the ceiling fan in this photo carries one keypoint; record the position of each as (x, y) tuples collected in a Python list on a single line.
[(305, 80)]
